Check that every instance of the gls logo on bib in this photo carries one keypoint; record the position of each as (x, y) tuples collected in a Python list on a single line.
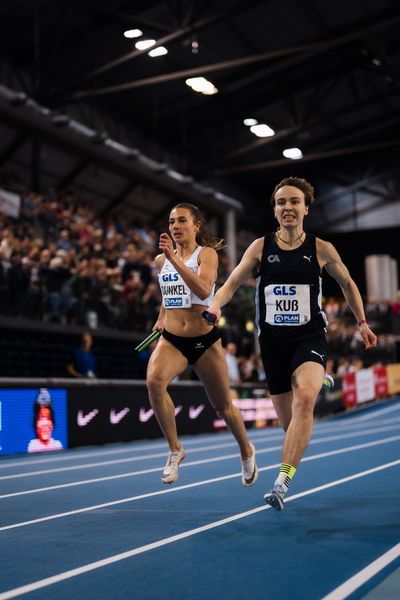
[(170, 276)]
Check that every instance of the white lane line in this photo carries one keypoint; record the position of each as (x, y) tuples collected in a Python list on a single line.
[(321, 440), (192, 485), (156, 469), (355, 582), (47, 581), (130, 447)]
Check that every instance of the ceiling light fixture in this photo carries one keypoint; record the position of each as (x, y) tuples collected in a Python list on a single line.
[(293, 153), (201, 85), (144, 44), (133, 33), (262, 130), (159, 51), (250, 122)]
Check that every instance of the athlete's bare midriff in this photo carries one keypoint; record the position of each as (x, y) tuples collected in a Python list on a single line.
[(186, 322)]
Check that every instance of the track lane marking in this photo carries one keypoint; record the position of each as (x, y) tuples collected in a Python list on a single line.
[(190, 485), (47, 581), (355, 582), (321, 440), (74, 453)]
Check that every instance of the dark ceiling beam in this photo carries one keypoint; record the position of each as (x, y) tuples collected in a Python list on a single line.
[(175, 35), (133, 17), (24, 118), (73, 174), (361, 130), (359, 185), (312, 48), (316, 117), (288, 131), (12, 147), (314, 156)]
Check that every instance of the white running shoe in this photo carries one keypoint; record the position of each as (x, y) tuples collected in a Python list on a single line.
[(171, 469), (249, 469)]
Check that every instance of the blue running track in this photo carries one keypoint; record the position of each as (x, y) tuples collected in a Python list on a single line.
[(98, 523)]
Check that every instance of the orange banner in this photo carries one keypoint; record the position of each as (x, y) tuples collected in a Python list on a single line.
[(393, 378)]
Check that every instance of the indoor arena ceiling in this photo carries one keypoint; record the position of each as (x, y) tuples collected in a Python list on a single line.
[(323, 75)]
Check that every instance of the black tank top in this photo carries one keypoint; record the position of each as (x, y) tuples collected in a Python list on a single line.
[(288, 292)]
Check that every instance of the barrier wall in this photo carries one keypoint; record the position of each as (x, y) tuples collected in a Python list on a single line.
[(89, 412)]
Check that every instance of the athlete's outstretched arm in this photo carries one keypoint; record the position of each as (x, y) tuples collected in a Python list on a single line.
[(330, 259), (250, 260)]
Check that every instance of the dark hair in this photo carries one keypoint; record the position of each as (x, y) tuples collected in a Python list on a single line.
[(301, 184), (43, 399), (203, 237)]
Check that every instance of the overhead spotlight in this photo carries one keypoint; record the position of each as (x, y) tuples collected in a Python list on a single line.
[(250, 122), (293, 153), (262, 130), (133, 33), (159, 51), (201, 85), (144, 44)]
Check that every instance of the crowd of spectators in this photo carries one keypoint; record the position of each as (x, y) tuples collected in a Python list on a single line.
[(63, 263)]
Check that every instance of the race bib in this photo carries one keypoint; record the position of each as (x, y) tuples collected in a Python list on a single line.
[(287, 304), (175, 292)]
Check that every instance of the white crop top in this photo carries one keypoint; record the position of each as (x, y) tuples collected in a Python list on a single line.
[(175, 292)]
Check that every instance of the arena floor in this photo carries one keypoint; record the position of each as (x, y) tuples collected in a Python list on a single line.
[(97, 523)]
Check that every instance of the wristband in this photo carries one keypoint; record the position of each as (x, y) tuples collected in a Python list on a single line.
[(362, 322)]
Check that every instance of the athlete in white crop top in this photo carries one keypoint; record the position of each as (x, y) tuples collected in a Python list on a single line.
[(187, 279)]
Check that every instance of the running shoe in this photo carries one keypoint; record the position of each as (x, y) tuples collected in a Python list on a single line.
[(249, 469), (275, 497), (328, 382), (171, 469)]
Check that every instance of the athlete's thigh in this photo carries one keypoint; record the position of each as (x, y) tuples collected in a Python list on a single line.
[(213, 373), (309, 375), (166, 362)]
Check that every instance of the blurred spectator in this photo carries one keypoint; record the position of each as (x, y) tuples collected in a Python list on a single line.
[(232, 363), (82, 362)]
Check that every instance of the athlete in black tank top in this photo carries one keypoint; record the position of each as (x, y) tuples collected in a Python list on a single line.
[(289, 317), (292, 279)]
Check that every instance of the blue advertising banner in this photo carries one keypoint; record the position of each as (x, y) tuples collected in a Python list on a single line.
[(33, 420)]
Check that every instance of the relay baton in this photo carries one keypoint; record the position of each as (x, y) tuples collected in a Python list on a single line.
[(154, 335), (209, 317)]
